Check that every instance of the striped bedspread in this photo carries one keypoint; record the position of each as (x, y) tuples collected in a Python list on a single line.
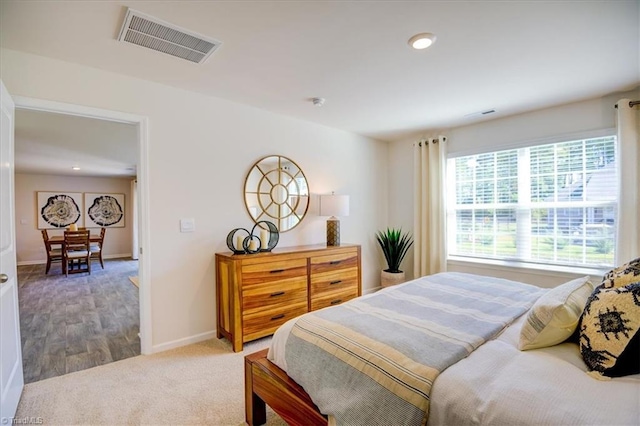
[(373, 360)]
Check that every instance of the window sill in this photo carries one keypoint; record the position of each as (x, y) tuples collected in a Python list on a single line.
[(532, 268)]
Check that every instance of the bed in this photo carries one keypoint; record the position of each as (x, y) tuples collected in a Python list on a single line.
[(487, 381)]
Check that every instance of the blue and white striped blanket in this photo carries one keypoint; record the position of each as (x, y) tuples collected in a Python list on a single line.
[(373, 360)]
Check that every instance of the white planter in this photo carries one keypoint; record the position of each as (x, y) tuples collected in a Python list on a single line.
[(388, 279)]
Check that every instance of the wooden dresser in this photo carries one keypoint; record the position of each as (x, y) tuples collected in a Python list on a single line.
[(257, 293)]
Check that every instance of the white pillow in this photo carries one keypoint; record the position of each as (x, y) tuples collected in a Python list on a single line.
[(555, 316)]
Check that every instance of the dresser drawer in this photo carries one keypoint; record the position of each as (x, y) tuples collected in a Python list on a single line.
[(264, 322), (334, 281), (332, 262), (257, 273), (333, 298), (276, 293)]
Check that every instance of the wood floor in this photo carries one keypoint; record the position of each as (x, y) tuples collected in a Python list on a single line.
[(73, 323)]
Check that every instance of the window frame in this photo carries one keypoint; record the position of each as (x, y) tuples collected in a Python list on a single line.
[(519, 262)]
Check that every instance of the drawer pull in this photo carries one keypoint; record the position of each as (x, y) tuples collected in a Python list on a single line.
[(276, 271), (335, 262), (335, 282), (277, 317), (335, 302), (278, 293)]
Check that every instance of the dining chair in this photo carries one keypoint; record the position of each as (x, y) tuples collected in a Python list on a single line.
[(53, 255), (96, 247), (76, 252)]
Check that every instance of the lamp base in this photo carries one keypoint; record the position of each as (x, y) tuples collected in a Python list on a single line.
[(333, 232)]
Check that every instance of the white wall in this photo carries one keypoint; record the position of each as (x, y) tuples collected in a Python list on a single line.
[(575, 118), (29, 246), (200, 150)]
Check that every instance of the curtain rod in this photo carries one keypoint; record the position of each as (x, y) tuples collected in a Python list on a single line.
[(631, 104)]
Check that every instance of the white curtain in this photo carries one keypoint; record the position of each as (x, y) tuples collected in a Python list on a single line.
[(429, 255), (628, 241)]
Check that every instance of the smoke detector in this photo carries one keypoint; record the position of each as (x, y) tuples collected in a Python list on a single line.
[(155, 34), (318, 101)]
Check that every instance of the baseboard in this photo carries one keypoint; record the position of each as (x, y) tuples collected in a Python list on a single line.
[(371, 290), (183, 342), (117, 256), (31, 262), (44, 261)]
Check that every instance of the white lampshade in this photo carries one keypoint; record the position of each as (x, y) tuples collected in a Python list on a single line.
[(334, 205)]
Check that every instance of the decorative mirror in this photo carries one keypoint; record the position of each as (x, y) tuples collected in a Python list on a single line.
[(276, 190)]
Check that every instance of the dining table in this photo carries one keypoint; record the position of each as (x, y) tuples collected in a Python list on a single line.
[(59, 239)]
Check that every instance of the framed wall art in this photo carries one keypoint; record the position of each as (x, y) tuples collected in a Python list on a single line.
[(58, 209), (103, 210)]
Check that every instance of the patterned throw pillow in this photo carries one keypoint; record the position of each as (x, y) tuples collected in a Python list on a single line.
[(610, 330), (554, 317), (622, 275)]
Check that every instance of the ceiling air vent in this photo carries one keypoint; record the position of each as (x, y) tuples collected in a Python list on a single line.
[(152, 33)]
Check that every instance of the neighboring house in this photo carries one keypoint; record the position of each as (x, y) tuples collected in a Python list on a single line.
[(596, 187)]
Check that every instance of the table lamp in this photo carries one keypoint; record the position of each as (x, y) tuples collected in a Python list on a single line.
[(334, 205)]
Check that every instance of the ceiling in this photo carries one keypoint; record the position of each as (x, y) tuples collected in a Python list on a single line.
[(276, 55), (49, 143)]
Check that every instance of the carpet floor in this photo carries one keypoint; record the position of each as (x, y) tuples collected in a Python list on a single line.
[(199, 384)]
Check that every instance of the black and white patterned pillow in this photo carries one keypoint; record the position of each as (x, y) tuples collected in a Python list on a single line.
[(610, 330), (622, 275)]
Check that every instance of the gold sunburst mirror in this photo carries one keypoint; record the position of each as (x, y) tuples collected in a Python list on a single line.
[(276, 190)]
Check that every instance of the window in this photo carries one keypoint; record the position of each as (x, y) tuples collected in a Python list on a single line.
[(552, 204)]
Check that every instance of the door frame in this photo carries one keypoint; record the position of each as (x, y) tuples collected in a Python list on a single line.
[(142, 124)]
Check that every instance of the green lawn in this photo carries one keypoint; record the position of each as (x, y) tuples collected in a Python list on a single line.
[(541, 249)]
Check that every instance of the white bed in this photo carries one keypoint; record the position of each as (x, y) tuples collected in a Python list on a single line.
[(498, 384)]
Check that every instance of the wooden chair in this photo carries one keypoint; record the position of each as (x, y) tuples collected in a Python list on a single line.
[(96, 248), (76, 252), (53, 255)]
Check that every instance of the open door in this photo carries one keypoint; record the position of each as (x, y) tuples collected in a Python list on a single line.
[(11, 377)]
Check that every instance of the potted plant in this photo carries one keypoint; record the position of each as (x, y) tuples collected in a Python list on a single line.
[(394, 244)]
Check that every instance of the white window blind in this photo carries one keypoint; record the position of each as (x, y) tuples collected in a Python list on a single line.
[(551, 204)]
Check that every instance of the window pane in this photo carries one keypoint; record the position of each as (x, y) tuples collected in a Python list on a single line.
[(542, 188), (485, 191), (507, 163), (485, 166), (508, 190), (464, 193), (506, 233), (464, 169)]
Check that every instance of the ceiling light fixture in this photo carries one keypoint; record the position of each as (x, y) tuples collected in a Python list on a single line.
[(318, 101), (75, 168), (422, 40)]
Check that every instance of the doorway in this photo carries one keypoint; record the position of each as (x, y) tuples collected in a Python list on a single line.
[(140, 125)]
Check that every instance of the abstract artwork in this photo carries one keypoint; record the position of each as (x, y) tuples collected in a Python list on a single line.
[(103, 210), (59, 209)]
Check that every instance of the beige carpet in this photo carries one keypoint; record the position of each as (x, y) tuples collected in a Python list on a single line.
[(134, 280), (200, 384)]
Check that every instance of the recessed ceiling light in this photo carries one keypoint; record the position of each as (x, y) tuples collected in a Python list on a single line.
[(422, 40), (75, 168)]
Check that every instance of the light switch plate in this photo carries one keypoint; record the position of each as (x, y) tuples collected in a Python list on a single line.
[(187, 225)]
